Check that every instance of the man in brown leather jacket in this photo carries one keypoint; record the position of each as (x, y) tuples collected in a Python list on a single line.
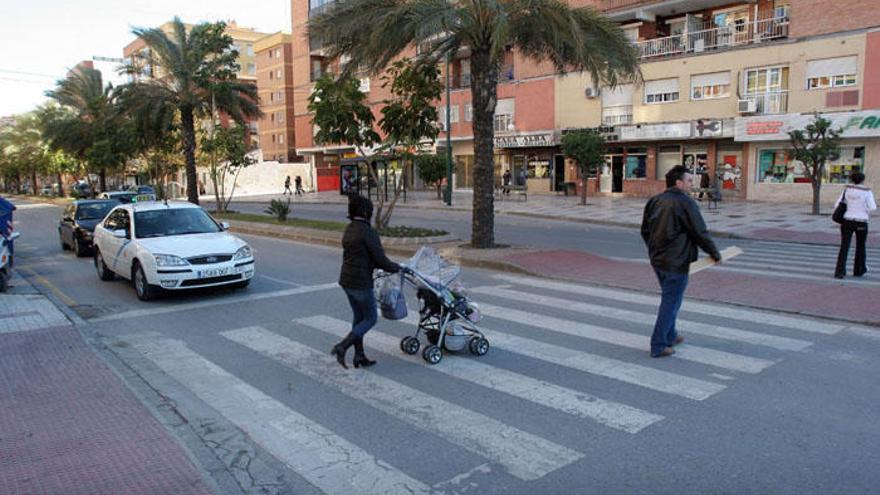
[(673, 228)]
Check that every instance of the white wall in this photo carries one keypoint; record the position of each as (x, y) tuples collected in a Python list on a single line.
[(267, 178)]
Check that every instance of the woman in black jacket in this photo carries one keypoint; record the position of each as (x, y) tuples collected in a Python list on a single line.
[(361, 253)]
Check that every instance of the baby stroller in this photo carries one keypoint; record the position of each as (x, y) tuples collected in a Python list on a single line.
[(446, 317)]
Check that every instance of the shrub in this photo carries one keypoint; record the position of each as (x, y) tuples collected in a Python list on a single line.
[(279, 209)]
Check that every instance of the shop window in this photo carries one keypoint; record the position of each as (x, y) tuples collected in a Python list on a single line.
[(850, 161), (538, 168), (696, 160), (464, 165), (775, 166), (636, 165)]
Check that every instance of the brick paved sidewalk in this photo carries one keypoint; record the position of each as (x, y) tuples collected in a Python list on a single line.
[(68, 424)]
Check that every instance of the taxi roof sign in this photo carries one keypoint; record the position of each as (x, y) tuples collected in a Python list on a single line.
[(143, 197)]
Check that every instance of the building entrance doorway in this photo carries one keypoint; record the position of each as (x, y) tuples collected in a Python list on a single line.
[(558, 173)]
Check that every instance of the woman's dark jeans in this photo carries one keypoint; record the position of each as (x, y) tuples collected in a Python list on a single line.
[(847, 229), (363, 307)]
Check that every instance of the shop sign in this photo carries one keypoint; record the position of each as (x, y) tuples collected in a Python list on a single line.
[(680, 130), (704, 128), (777, 127), (526, 141)]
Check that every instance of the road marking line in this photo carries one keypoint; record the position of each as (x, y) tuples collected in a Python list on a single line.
[(608, 413), (630, 373), (822, 278), (781, 343), (687, 352), (523, 455), (139, 313), (64, 298), (281, 281), (717, 310), (325, 459)]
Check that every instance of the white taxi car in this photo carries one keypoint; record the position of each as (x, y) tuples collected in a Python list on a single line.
[(173, 245)]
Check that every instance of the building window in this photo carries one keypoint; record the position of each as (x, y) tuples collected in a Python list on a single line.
[(504, 113), (278, 74), (250, 49), (468, 112), (453, 116), (661, 91), (317, 69), (278, 53), (272, 75), (709, 86), (768, 87), (617, 105), (272, 117), (280, 118), (251, 69), (281, 139), (273, 138), (832, 72), (271, 97)]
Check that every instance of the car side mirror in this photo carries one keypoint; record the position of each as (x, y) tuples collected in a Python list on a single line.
[(120, 233), (224, 225)]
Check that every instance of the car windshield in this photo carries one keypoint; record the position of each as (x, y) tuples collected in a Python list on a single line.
[(173, 221), (94, 211)]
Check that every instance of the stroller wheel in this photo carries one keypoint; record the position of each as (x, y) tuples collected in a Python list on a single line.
[(409, 345), (478, 346), (432, 354)]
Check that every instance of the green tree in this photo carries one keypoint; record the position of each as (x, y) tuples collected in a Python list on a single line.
[(373, 33), (587, 149), (190, 74), (813, 146), (432, 170), (24, 150), (92, 129), (226, 155)]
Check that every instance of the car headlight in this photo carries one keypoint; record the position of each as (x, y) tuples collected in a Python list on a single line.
[(244, 252), (169, 260)]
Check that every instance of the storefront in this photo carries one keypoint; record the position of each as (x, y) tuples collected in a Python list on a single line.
[(638, 163), (534, 160), (775, 176)]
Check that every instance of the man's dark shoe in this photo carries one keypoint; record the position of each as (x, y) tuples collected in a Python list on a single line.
[(679, 340), (664, 353), (838, 276)]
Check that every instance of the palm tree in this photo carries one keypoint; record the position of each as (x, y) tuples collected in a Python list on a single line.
[(572, 39), (88, 126), (193, 76)]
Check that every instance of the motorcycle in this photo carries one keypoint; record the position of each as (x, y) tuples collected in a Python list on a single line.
[(6, 260)]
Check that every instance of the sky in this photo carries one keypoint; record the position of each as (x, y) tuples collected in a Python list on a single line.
[(40, 40)]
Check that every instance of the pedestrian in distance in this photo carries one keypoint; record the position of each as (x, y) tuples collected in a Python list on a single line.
[(859, 204), (362, 252), (673, 228), (505, 182), (287, 186), (299, 186)]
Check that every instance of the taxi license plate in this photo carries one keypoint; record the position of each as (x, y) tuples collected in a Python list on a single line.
[(216, 272)]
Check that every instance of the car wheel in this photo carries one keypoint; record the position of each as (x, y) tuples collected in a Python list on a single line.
[(78, 249), (104, 273), (144, 291)]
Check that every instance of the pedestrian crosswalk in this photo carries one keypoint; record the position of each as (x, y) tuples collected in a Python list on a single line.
[(796, 261), (566, 353)]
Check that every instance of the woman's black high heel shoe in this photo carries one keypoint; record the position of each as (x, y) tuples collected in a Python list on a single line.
[(341, 348), (363, 361)]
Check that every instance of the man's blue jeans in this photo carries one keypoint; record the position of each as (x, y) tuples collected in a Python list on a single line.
[(363, 307), (672, 285)]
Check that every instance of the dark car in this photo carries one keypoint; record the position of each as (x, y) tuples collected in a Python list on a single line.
[(146, 190), (121, 196), (81, 190), (78, 222)]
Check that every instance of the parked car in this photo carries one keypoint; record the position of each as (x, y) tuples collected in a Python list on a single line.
[(169, 246), (146, 190), (120, 196), (81, 190), (78, 220), (47, 190)]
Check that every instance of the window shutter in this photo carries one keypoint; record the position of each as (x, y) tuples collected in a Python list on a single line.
[(618, 97), (832, 66), (505, 106), (713, 79), (661, 86)]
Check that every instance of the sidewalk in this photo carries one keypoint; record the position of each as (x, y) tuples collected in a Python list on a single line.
[(782, 222), (68, 424)]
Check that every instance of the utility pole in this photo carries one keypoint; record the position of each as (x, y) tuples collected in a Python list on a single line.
[(448, 138)]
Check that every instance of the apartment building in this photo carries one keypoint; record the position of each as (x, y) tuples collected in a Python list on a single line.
[(724, 82), (275, 87)]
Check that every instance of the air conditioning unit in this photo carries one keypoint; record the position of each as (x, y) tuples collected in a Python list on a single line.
[(747, 106), (441, 126), (591, 93)]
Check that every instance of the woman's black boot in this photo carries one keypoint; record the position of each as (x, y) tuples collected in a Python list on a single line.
[(341, 348), (359, 358)]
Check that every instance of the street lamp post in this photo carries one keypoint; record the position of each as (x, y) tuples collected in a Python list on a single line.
[(448, 139)]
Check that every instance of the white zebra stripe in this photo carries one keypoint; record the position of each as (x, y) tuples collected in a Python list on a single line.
[(751, 315), (323, 458), (594, 364), (687, 352), (524, 455), (608, 413)]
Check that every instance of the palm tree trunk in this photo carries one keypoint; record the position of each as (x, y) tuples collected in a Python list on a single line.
[(584, 182), (189, 154), (60, 186), (484, 93)]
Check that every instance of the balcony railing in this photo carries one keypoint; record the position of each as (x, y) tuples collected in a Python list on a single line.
[(716, 38), (770, 102), (617, 115)]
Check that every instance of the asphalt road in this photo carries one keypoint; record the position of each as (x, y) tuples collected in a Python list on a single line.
[(566, 401)]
